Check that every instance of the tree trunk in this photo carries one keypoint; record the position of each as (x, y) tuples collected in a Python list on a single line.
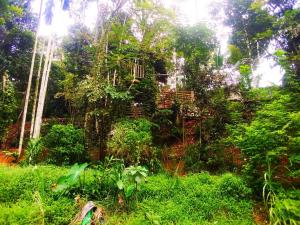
[(43, 89), (36, 91), (29, 86)]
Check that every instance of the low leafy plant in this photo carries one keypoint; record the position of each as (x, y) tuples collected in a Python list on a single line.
[(130, 180), (34, 151), (285, 208), (123, 182), (65, 182)]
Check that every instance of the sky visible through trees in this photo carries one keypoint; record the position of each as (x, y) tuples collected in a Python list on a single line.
[(189, 12)]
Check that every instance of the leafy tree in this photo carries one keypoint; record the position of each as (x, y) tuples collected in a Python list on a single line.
[(256, 23), (99, 83), (197, 45), (252, 26), (8, 110), (16, 41)]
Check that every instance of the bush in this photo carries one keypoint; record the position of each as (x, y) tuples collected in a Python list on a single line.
[(266, 139), (132, 141), (230, 185), (65, 145)]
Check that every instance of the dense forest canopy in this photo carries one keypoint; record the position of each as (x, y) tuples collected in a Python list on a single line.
[(131, 89)]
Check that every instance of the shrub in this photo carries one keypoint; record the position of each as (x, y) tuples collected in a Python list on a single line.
[(230, 185), (266, 139), (65, 145), (132, 141)]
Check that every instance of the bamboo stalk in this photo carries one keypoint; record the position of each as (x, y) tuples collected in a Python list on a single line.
[(29, 86), (42, 93), (37, 84)]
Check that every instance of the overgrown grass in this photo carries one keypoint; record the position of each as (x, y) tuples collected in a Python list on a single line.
[(26, 198), (195, 199)]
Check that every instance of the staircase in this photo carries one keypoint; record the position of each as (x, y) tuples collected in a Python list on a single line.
[(135, 111), (165, 99), (173, 157)]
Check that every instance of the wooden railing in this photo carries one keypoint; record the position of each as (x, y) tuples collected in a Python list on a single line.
[(185, 96), (167, 98)]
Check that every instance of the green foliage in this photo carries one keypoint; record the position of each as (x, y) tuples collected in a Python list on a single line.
[(122, 183), (256, 23), (65, 145), (8, 108), (114, 94), (26, 196), (132, 141), (252, 25), (230, 185), (206, 157), (283, 205), (130, 180), (34, 151), (16, 41), (290, 81), (67, 181), (195, 44), (245, 81), (165, 130), (193, 199), (268, 139), (145, 92), (285, 209), (235, 54)]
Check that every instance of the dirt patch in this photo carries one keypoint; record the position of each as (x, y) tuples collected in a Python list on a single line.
[(260, 214), (8, 157)]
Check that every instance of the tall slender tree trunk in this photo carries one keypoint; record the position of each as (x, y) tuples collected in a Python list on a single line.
[(36, 91), (29, 86), (43, 89)]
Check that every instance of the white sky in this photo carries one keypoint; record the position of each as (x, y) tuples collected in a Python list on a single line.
[(190, 12)]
